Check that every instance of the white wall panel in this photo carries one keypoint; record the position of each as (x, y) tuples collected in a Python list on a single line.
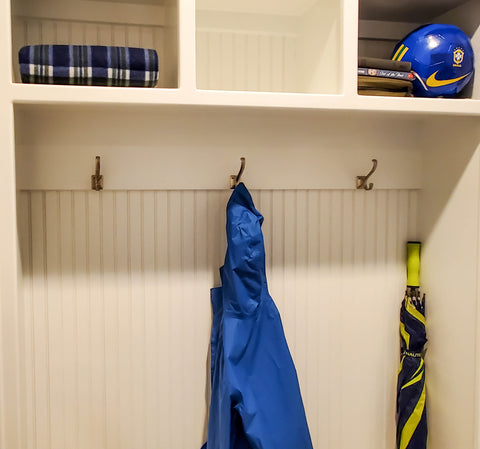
[(466, 17), (240, 49), (245, 60), (450, 230), (283, 150), (116, 312)]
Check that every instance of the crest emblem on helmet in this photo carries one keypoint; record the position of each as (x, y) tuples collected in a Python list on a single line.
[(458, 57)]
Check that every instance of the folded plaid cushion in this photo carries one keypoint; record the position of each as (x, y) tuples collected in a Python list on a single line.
[(91, 65)]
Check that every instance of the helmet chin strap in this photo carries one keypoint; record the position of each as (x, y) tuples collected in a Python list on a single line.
[(420, 79)]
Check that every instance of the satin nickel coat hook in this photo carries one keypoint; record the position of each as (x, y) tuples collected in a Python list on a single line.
[(362, 180), (235, 179), (97, 178)]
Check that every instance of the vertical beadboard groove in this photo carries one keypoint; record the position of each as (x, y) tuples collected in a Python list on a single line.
[(322, 422), (25, 339), (391, 253), (155, 395), (21, 360), (311, 373), (110, 368), (116, 315), (74, 307), (33, 404), (89, 415), (103, 291), (60, 317), (44, 256), (333, 295), (346, 343), (172, 434)]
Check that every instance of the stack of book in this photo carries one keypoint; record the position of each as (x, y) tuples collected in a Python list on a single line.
[(384, 77)]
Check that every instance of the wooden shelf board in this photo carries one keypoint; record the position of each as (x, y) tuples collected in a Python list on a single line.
[(83, 95)]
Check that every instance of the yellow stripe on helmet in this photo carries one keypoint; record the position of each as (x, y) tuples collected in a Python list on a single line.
[(398, 52), (402, 54)]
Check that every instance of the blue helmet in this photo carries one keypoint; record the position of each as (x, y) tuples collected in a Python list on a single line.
[(441, 57)]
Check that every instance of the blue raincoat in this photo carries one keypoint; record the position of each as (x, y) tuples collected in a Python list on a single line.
[(256, 401)]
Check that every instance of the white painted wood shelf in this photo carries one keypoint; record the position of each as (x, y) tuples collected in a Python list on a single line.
[(83, 95)]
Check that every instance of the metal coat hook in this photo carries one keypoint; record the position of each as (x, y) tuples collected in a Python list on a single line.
[(362, 180), (235, 179), (97, 178)]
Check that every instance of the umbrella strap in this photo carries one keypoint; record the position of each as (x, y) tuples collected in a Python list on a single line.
[(412, 354)]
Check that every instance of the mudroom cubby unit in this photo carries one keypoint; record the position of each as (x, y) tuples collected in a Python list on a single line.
[(145, 23), (105, 312)]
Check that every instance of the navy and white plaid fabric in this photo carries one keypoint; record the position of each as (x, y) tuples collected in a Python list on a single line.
[(90, 65)]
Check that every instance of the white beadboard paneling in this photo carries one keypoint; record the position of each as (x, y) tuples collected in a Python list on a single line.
[(33, 31), (69, 350), (273, 52), (26, 397), (116, 314), (112, 341), (245, 60)]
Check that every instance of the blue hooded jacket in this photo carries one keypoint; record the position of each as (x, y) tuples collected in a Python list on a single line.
[(256, 401)]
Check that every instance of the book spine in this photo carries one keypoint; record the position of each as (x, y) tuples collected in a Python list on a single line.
[(382, 73), (386, 64)]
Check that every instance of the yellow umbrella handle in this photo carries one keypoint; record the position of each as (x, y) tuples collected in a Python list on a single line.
[(413, 264)]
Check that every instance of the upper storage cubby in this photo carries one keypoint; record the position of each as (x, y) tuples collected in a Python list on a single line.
[(149, 24), (383, 23), (269, 45)]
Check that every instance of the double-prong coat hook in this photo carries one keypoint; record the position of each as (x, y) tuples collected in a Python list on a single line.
[(362, 180), (97, 178), (235, 179)]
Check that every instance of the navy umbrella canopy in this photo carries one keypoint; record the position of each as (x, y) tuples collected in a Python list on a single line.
[(411, 393)]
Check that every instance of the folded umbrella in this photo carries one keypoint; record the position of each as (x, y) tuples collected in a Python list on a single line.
[(411, 395)]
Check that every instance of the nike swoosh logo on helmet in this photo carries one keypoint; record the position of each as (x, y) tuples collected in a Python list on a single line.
[(433, 82)]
